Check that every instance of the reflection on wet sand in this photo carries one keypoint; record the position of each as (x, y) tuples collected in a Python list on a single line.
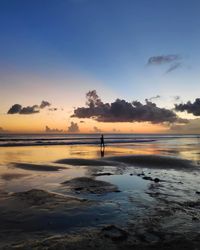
[(137, 189), (43, 154)]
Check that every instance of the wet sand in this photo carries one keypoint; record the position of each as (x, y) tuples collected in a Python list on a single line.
[(117, 202), (36, 167)]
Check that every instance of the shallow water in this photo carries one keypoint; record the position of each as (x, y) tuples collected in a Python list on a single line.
[(36, 167)]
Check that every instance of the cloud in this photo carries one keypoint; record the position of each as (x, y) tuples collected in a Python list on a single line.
[(189, 107), (54, 130), (173, 60), (96, 130), (53, 109), (18, 109), (82, 121), (123, 111), (174, 67), (73, 128), (15, 109), (154, 97), (45, 104), (158, 60), (29, 110)]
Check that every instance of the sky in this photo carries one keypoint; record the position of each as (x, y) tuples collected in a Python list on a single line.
[(133, 50)]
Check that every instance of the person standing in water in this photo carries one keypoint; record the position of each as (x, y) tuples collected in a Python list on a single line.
[(102, 145), (102, 141)]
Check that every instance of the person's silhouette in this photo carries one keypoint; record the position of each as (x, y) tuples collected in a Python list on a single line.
[(102, 142), (102, 146)]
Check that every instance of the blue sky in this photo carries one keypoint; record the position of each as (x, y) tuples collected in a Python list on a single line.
[(109, 41), (108, 38)]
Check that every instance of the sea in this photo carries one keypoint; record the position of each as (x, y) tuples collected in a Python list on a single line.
[(186, 146)]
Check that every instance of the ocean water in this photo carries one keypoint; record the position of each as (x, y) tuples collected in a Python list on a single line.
[(184, 146)]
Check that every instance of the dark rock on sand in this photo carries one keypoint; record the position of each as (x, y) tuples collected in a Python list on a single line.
[(89, 185), (147, 178), (115, 233), (141, 174), (156, 180)]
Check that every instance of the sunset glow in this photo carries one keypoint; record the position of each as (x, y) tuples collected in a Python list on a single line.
[(58, 56)]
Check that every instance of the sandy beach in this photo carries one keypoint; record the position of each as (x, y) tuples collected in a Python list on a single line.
[(68, 197)]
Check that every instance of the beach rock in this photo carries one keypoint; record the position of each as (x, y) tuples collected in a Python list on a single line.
[(156, 180), (141, 174), (89, 185), (115, 233), (147, 178)]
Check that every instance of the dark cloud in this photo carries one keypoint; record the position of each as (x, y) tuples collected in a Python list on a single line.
[(173, 60), (82, 121), (96, 130), (29, 110), (52, 130), (18, 109), (53, 109), (73, 128), (123, 111), (173, 67), (189, 107), (45, 104), (157, 60), (93, 99), (154, 97), (15, 109)]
